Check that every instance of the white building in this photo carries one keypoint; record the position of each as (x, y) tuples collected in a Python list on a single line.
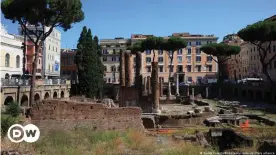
[(51, 52), (11, 55)]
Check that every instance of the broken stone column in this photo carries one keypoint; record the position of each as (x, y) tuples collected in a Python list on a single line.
[(149, 85), (188, 91), (145, 92), (177, 84), (122, 78), (161, 88), (193, 93), (155, 87), (128, 69), (207, 93)]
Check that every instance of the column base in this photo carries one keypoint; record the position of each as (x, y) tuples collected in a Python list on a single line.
[(156, 111)]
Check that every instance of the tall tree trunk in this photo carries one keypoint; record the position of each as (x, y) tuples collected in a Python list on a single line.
[(169, 84), (155, 87), (33, 79), (267, 74)]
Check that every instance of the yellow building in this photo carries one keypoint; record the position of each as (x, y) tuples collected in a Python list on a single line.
[(189, 64)]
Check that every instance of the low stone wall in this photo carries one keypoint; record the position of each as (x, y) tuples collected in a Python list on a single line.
[(54, 114), (184, 120)]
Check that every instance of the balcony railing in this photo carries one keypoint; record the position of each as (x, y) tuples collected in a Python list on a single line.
[(21, 82)]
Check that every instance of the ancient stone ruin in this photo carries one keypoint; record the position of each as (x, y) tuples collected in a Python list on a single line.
[(55, 114)]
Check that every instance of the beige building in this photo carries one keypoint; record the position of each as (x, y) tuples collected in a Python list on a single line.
[(189, 64), (247, 63)]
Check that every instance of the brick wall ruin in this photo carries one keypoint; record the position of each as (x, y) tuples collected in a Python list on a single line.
[(54, 114)]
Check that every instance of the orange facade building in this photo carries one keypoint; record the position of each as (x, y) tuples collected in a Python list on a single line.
[(190, 65), (68, 69)]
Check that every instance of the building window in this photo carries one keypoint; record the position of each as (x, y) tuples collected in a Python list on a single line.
[(171, 68), (209, 58), (113, 68), (209, 68), (113, 59), (17, 61), (179, 52), (104, 59), (38, 61), (189, 59), (148, 59), (198, 58), (160, 59), (198, 79), (148, 52), (7, 60), (49, 47), (198, 43), (160, 52), (189, 68), (198, 52), (53, 48), (189, 43), (198, 68), (190, 79), (179, 59), (149, 69), (160, 68), (179, 68), (189, 51), (114, 51), (118, 45), (161, 79), (56, 49)]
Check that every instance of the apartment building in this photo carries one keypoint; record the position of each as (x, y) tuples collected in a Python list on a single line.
[(51, 52), (11, 55), (247, 63), (189, 64), (111, 57), (68, 69)]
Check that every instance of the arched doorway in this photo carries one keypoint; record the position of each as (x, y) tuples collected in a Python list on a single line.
[(62, 94), (55, 95), (8, 100), (24, 101), (36, 98), (46, 96)]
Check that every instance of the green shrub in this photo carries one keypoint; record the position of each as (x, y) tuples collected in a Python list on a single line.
[(6, 122), (13, 109)]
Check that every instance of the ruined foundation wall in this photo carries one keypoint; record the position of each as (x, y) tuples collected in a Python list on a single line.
[(53, 114)]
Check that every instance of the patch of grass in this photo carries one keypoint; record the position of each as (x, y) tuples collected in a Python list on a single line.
[(187, 149), (85, 141)]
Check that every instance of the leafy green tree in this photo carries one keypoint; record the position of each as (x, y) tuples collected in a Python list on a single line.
[(261, 34), (152, 44), (41, 14), (79, 61), (89, 65), (222, 52), (100, 66), (171, 45)]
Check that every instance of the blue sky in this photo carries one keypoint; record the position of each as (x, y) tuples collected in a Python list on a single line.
[(121, 18)]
